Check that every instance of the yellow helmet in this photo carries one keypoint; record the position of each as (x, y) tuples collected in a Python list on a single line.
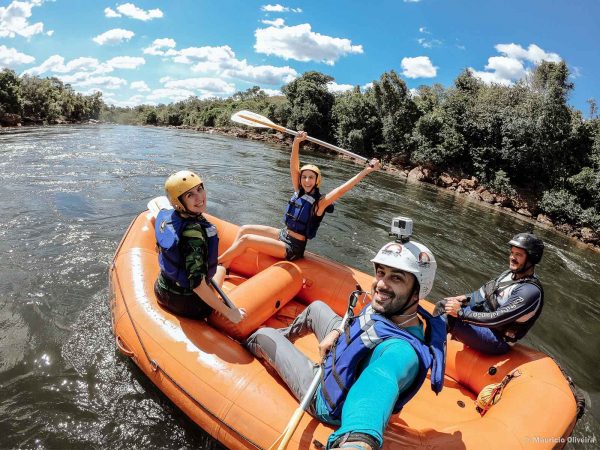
[(179, 183), (314, 169)]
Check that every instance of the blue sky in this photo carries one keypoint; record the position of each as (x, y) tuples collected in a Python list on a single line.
[(151, 51)]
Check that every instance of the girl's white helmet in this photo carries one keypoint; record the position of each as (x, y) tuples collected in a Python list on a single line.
[(411, 257)]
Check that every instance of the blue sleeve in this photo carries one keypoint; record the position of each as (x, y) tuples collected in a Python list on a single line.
[(391, 369), (523, 300)]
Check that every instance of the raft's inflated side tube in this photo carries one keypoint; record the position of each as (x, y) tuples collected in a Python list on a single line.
[(261, 296), (236, 399), (323, 279)]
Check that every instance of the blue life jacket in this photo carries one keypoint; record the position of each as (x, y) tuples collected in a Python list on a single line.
[(168, 228), (367, 330), (299, 215)]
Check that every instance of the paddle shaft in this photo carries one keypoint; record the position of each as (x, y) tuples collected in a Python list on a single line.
[(283, 440), (224, 296), (268, 123)]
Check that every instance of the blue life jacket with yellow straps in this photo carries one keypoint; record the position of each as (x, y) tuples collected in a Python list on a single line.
[(168, 228), (367, 330), (299, 215)]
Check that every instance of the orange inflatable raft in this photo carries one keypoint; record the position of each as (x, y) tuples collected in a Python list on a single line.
[(202, 367)]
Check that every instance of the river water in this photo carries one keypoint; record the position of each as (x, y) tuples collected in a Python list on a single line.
[(68, 195)]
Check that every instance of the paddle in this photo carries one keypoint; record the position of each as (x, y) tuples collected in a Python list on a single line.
[(158, 203), (284, 439), (224, 296), (256, 120)]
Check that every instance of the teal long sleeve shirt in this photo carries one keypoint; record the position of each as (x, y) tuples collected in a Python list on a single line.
[(388, 371)]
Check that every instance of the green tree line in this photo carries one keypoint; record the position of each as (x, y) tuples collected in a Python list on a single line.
[(34, 100), (522, 138)]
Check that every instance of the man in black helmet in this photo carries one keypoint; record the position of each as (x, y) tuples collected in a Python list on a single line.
[(504, 309)]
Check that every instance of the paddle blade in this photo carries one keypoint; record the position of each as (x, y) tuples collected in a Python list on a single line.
[(275, 445), (252, 119), (284, 439)]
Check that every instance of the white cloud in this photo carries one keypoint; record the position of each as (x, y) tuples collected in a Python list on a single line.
[(126, 62), (429, 43), (276, 23), (134, 100), (211, 86), (165, 79), (333, 87), (49, 32), (87, 71), (274, 8), (10, 57), (14, 19), (302, 44), (506, 68), (158, 45), (84, 79), (516, 63), (111, 13), (279, 8), (533, 53), (490, 77), (56, 64), (221, 61), (418, 67), (262, 74), (193, 55), (130, 10), (272, 92), (114, 36), (168, 94), (139, 86)]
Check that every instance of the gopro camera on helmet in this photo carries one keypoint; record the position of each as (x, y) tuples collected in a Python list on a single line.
[(401, 228)]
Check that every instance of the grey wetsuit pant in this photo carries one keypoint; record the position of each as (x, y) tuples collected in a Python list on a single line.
[(275, 346)]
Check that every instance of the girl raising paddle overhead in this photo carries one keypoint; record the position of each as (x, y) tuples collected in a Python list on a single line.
[(302, 217)]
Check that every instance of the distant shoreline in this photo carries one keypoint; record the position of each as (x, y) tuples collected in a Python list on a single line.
[(465, 188)]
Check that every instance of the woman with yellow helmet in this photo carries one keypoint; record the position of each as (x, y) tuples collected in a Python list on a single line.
[(188, 248), (302, 217)]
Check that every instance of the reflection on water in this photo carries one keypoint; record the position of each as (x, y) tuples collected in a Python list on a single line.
[(69, 193)]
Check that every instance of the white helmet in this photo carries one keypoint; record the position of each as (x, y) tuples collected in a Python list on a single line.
[(410, 257)]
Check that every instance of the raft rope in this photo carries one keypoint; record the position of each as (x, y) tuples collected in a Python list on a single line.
[(491, 394), (156, 367), (575, 390)]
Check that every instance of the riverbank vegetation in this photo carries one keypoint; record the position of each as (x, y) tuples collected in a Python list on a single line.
[(34, 100), (520, 147)]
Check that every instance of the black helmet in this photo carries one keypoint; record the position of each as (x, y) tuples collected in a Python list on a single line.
[(532, 244)]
